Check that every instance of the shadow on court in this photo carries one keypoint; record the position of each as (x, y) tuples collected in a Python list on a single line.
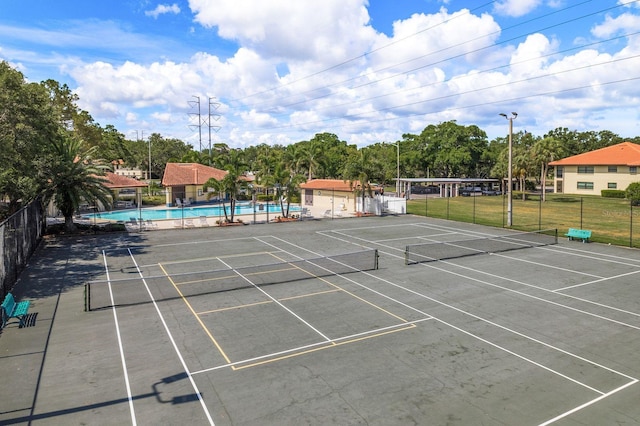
[(539, 335)]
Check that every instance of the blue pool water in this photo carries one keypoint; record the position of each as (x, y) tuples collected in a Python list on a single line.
[(187, 212)]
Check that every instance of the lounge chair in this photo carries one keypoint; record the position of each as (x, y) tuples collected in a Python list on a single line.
[(186, 202), (133, 223), (178, 202), (177, 223), (189, 223), (203, 221), (151, 224)]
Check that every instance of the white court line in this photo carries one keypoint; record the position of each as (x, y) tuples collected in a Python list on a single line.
[(591, 255), (175, 347), (597, 281), (498, 326), (312, 345), (122, 358), (349, 279), (276, 301), (612, 308), (602, 396), (559, 268), (409, 237), (545, 290), (486, 320), (586, 404)]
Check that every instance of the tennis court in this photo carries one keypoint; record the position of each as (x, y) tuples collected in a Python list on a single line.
[(361, 321)]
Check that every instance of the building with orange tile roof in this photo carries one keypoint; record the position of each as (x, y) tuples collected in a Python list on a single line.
[(334, 197), (613, 167), (184, 181)]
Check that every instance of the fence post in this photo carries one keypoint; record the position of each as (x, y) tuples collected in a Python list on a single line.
[(540, 211), (426, 205), (631, 223), (474, 208)]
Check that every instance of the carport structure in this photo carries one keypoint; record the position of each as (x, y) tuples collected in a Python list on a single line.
[(447, 187)]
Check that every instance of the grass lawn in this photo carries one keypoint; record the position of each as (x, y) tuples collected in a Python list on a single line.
[(610, 219)]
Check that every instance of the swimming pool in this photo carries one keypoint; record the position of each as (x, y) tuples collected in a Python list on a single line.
[(187, 212)]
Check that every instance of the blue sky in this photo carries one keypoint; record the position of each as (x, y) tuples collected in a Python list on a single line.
[(278, 72)]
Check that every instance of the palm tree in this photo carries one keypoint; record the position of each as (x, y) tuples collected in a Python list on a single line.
[(358, 170), (72, 176), (287, 185), (231, 183), (312, 151), (294, 158), (544, 151), (521, 163)]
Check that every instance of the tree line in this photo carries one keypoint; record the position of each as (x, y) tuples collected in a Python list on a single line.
[(51, 147)]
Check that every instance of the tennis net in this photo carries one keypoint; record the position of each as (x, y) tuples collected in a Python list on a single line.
[(430, 252), (131, 291)]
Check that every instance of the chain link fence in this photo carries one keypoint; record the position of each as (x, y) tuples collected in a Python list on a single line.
[(611, 220), (20, 235)]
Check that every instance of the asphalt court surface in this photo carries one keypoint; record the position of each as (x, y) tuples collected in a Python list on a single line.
[(180, 332)]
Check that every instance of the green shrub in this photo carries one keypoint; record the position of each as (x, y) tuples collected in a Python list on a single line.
[(612, 193), (633, 193)]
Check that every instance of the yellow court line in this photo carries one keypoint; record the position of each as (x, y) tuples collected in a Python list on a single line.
[(333, 345), (206, 330), (348, 292), (231, 308), (248, 305), (226, 277)]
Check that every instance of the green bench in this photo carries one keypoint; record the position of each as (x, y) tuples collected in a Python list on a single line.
[(13, 309), (578, 234)]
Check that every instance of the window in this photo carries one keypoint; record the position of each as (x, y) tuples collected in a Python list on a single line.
[(559, 171), (585, 185), (613, 169), (612, 185), (585, 169), (633, 170)]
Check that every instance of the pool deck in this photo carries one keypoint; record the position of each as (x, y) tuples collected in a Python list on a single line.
[(208, 221)]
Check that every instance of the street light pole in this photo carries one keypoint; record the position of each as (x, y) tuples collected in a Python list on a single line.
[(149, 177), (510, 171), (398, 169)]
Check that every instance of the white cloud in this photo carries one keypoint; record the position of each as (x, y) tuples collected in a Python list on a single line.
[(161, 9), (516, 8), (303, 29), (626, 22), (627, 3), (435, 67)]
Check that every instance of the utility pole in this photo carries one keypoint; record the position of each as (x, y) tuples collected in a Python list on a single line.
[(149, 175), (199, 125), (213, 104)]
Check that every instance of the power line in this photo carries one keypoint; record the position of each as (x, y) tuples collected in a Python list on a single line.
[(479, 72), (389, 67), (484, 104), (363, 55), (360, 101)]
